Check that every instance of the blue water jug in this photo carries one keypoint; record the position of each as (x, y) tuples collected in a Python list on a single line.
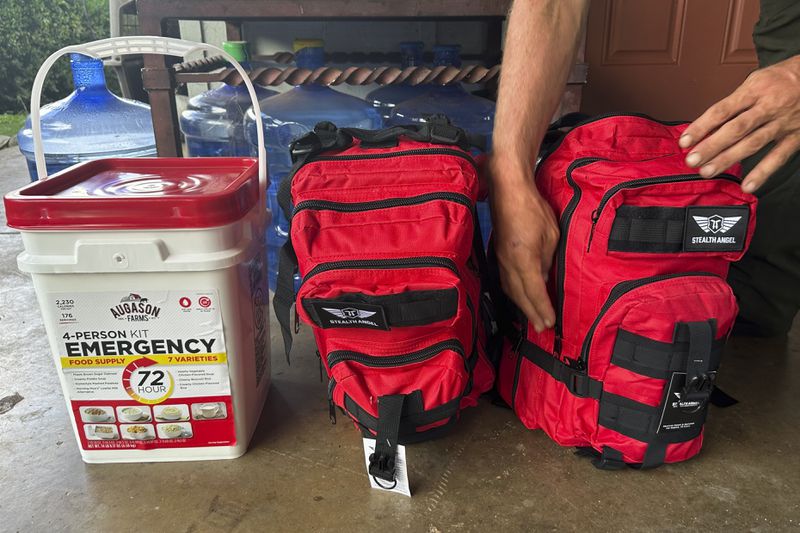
[(384, 99), (291, 115), (472, 113), (213, 123), (91, 123)]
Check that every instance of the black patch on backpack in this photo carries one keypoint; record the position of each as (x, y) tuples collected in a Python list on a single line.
[(350, 315), (715, 228)]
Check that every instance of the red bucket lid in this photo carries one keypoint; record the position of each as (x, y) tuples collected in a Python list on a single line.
[(146, 193)]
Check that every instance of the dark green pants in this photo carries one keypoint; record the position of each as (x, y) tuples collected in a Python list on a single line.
[(767, 280)]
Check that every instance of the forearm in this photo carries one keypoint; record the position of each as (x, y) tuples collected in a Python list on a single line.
[(541, 41)]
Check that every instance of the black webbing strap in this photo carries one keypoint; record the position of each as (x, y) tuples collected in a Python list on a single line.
[(647, 229), (608, 459), (414, 414), (638, 420), (657, 359), (284, 293), (577, 382), (382, 460)]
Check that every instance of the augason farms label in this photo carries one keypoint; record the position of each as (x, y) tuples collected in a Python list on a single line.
[(145, 370)]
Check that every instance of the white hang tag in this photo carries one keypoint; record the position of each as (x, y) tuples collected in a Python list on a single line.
[(400, 483)]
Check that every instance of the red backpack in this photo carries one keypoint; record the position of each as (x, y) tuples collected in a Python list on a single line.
[(638, 284), (384, 232)]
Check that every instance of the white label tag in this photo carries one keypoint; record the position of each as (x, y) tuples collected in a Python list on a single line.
[(400, 483)]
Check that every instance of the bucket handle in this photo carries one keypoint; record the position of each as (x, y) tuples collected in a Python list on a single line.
[(119, 46)]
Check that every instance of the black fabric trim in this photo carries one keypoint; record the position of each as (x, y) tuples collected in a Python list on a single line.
[(647, 229), (284, 293), (576, 381), (720, 398), (638, 420), (409, 308), (609, 459), (413, 417), (657, 359)]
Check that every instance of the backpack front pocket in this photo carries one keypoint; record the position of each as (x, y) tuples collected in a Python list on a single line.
[(433, 377), (656, 347)]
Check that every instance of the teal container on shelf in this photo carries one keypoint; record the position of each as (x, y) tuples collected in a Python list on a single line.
[(292, 114), (91, 123), (213, 122)]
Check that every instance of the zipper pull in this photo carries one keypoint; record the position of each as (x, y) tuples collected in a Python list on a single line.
[(595, 218), (296, 320), (319, 360)]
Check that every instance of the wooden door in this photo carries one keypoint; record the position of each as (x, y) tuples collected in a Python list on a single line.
[(671, 59)]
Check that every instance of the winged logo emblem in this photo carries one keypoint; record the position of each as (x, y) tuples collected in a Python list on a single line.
[(349, 312), (716, 223)]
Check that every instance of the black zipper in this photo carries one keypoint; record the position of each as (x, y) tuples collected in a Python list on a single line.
[(619, 290), (386, 264), (566, 218), (344, 207), (644, 182), (388, 361)]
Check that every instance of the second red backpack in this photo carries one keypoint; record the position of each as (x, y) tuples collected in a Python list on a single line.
[(638, 284)]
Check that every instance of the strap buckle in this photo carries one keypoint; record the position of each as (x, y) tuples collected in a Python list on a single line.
[(699, 388), (578, 384), (382, 466), (307, 144), (444, 133)]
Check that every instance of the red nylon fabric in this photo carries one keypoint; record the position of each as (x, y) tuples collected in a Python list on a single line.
[(622, 149), (438, 228)]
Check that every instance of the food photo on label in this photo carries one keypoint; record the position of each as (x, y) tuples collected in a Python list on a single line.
[(172, 412), (209, 411), (137, 431), (97, 414), (101, 432), (133, 413), (174, 431)]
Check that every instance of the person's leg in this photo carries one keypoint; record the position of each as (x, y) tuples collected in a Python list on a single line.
[(767, 280)]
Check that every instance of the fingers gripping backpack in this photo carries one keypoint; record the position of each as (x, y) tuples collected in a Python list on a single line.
[(385, 236), (638, 285)]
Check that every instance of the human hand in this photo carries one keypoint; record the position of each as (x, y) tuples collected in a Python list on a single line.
[(765, 108), (525, 233)]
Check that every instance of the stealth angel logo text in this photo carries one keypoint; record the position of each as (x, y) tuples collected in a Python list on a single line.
[(349, 312), (716, 223)]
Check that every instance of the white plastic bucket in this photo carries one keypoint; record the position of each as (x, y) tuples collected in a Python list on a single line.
[(151, 278)]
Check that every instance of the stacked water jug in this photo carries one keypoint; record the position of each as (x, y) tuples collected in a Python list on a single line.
[(91, 123), (213, 123)]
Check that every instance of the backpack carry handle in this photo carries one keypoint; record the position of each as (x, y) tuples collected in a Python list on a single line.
[(119, 46), (326, 136)]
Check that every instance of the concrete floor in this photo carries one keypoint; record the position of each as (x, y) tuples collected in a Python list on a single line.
[(302, 474)]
